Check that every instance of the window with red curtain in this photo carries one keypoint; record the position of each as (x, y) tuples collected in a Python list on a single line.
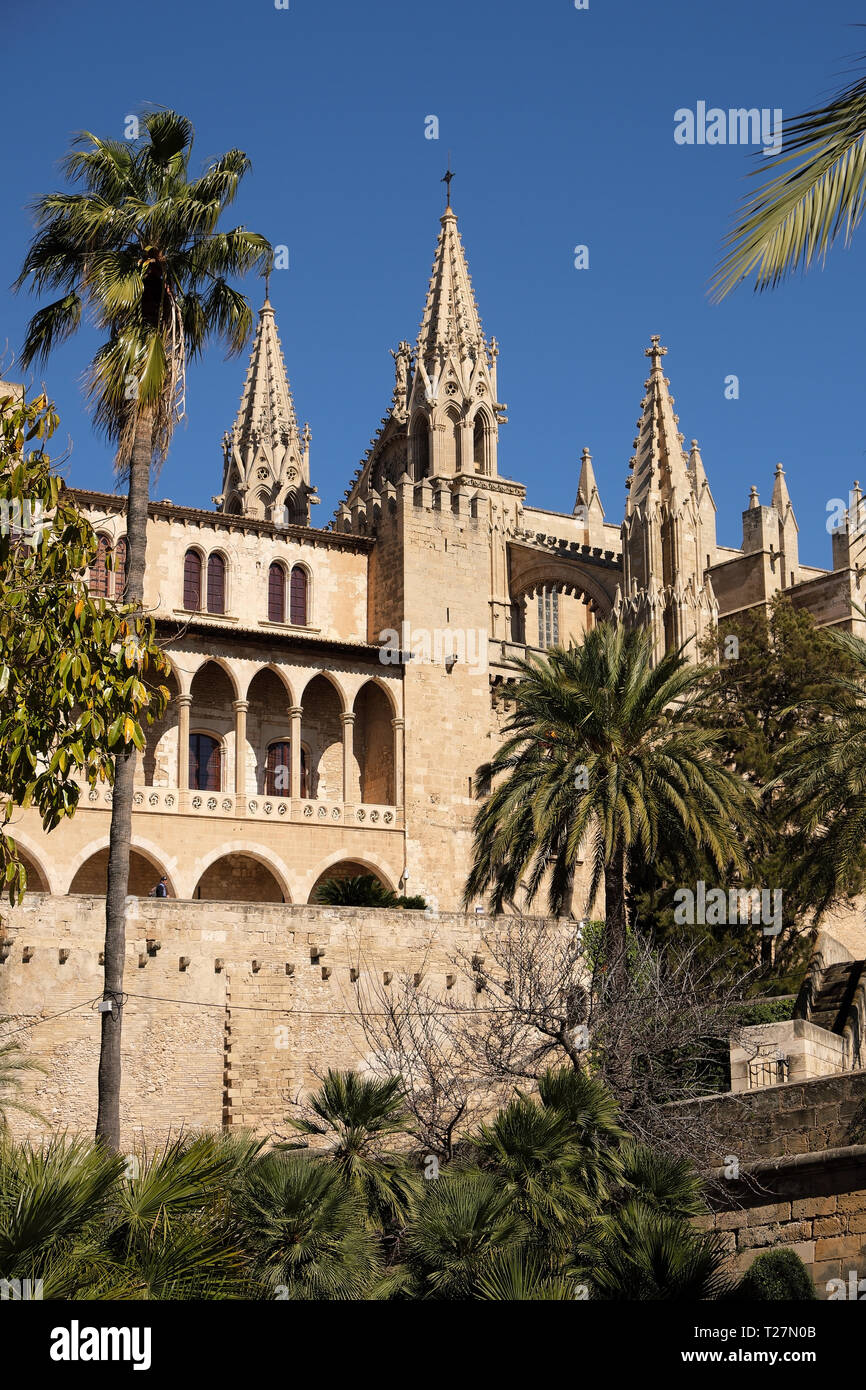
[(120, 568), (192, 581), (216, 584), (298, 597), (276, 594), (205, 763), (98, 573), (278, 769)]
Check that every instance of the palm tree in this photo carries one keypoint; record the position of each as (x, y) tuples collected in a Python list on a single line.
[(605, 748), (360, 1114), (529, 1149), (816, 196), (92, 1224), (139, 249), (13, 1063), (821, 777), (363, 890), (464, 1223), (306, 1232), (592, 1114), (647, 1255)]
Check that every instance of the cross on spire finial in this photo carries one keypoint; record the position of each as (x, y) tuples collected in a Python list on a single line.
[(449, 175), (656, 352)]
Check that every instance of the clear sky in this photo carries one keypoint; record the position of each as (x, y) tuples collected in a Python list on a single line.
[(561, 126)]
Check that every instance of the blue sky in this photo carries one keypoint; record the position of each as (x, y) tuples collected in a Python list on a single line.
[(560, 123)]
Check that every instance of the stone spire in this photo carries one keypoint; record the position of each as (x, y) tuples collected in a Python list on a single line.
[(453, 413), (659, 463), (789, 545), (451, 319), (266, 458), (587, 503), (668, 534)]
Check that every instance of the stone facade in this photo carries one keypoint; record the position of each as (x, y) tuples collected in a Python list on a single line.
[(341, 686), (795, 1175), (233, 1009)]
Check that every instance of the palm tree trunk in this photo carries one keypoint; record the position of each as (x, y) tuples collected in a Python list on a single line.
[(108, 1111), (616, 963)]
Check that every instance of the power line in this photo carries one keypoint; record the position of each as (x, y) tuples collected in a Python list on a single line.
[(37, 1021), (306, 1013)]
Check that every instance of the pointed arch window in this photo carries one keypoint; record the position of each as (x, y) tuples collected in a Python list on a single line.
[(98, 573), (276, 593), (192, 581), (298, 596), (120, 555), (216, 583), (479, 444), (548, 616), (420, 448), (205, 763)]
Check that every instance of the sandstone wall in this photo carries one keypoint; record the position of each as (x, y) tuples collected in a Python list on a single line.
[(233, 1009)]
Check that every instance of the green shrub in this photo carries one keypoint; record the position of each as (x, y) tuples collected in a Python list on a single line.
[(776, 1275)]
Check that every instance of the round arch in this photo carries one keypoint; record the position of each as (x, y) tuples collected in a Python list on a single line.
[(149, 851), (34, 853), (250, 850), (366, 863), (277, 670), (550, 570)]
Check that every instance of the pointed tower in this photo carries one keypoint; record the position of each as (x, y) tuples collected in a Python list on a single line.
[(266, 469), (789, 547), (668, 535), (587, 503), (453, 411)]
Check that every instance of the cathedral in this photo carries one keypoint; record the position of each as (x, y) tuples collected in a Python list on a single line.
[(335, 687)]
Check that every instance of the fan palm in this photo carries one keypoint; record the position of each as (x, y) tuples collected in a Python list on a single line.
[(592, 1114), (463, 1224), (528, 1149), (140, 250), (359, 1114), (662, 1182), (603, 747), (646, 1255), (520, 1276), (54, 1205), (816, 196), (306, 1231), (362, 890)]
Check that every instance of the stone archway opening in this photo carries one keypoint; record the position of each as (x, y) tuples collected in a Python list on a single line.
[(92, 876), (239, 878), (37, 881), (322, 735), (347, 868), (374, 745)]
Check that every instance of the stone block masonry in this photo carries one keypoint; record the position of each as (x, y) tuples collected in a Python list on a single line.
[(798, 1175), (233, 1009)]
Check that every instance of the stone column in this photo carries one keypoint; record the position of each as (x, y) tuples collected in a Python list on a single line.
[(183, 707), (348, 722), (240, 708), (295, 713), (398, 726)]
